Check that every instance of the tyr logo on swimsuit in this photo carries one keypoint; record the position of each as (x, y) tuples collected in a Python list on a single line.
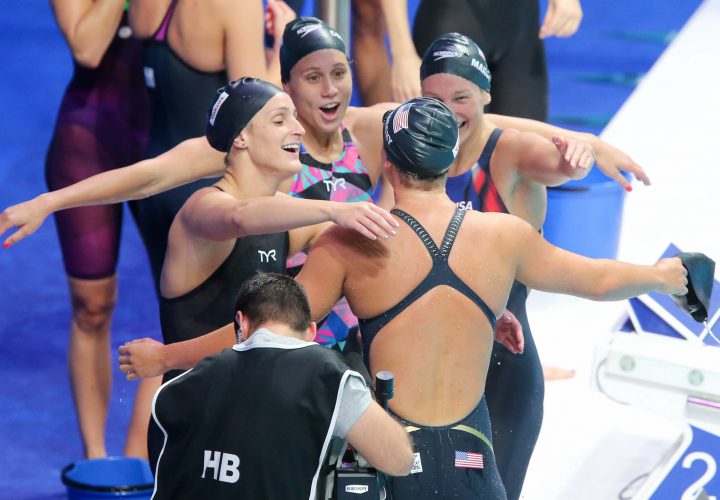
[(224, 465), (334, 184), (266, 256)]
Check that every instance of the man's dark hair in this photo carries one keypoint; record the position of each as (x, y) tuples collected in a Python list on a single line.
[(273, 297)]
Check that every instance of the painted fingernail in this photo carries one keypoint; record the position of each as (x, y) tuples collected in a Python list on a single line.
[(385, 236), (393, 232), (628, 188), (6, 244)]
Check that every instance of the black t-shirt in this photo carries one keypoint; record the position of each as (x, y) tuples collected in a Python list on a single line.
[(254, 422)]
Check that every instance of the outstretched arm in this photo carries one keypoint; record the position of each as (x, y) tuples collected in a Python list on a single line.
[(610, 160), (147, 357), (546, 267), (186, 162), (218, 216), (544, 162)]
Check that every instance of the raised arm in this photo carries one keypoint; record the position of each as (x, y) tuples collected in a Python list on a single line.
[(88, 27), (546, 267), (610, 160), (405, 60), (186, 162), (544, 162)]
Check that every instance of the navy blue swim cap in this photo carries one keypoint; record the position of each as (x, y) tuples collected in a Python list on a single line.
[(421, 137), (234, 107), (302, 37), (458, 55)]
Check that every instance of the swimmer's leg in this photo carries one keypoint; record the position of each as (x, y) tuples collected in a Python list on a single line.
[(89, 360), (136, 440)]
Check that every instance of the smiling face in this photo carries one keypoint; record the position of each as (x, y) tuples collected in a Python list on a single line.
[(465, 99), (320, 85), (273, 136)]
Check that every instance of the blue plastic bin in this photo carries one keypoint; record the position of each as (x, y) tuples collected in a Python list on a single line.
[(110, 477), (585, 216)]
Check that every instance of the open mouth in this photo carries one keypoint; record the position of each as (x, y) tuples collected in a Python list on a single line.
[(330, 110), (291, 148)]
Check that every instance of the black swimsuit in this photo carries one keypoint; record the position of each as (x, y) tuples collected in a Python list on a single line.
[(440, 274), (180, 96), (447, 458)]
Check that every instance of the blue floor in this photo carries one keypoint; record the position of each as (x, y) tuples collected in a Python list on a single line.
[(591, 75)]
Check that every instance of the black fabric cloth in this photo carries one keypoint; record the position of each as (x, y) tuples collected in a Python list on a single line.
[(439, 472), (440, 274), (180, 96), (266, 413), (507, 33), (211, 304)]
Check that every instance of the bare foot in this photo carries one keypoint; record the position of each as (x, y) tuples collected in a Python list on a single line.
[(554, 373)]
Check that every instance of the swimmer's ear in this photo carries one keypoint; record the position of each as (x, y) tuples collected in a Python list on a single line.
[(486, 97), (240, 142), (311, 332)]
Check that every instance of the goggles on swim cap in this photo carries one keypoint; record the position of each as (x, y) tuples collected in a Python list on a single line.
[(458, 55), (421, 137), (304, 36), (234, 107)]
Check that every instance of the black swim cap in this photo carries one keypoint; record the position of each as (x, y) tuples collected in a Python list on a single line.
[(458, 55), (302, 37), (234, 107), (421, 137)]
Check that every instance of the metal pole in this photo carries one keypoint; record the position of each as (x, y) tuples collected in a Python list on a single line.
[(337, 14)]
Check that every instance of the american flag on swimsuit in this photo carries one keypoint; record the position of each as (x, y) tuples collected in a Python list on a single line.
[(469, 460)]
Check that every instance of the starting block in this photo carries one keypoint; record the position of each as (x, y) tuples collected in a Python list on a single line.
[(662, 360)]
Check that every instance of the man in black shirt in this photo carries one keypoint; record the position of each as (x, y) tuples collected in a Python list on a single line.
[(257, 421)]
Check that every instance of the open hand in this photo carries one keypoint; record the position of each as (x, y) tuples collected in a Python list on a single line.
[(366, 218), (578, 154), (611, 161), (26, 216)]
